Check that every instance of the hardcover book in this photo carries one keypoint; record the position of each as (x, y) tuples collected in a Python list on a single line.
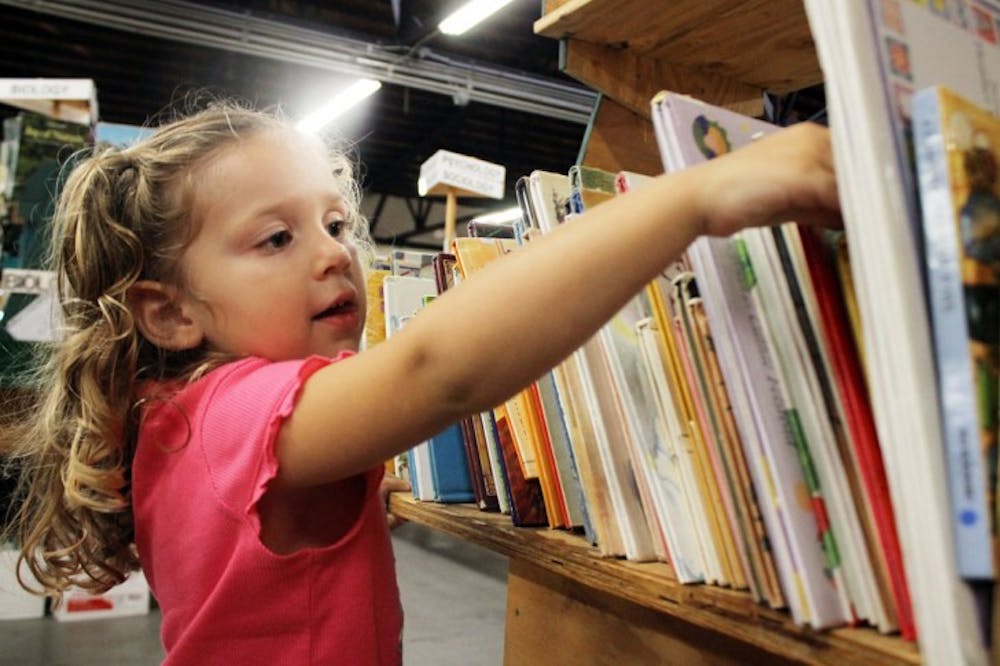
[(957, 147)]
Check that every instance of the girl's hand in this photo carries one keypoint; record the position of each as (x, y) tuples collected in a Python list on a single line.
[(785, 176), (391, 484)]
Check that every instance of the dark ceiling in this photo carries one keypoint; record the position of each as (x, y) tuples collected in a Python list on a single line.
[(138, 74)]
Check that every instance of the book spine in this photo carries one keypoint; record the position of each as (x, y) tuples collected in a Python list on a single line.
[(965, 466)]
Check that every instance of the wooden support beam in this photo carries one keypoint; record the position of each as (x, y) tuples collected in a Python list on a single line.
[(592, 627), (618, 139)]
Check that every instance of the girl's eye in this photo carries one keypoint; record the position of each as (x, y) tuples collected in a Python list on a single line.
[(277, 240), (336, 228)]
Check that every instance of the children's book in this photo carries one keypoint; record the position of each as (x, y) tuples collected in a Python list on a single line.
[(517, 422), (843, 543), (957, 144), (710, 473), (38, 151), (404, 297), (818, 355), (663, 459), (522, 411), (554, 420), (598, 365), (527, 505)]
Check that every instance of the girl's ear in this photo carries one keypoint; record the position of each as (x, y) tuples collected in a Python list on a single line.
[(161, 318)]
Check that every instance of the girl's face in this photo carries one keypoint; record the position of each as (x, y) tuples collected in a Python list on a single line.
[(272, 271)]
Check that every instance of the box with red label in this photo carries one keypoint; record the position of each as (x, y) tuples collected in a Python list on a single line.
[(128, 598), (15, 602)]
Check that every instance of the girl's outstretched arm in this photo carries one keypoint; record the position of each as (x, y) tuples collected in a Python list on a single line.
[(491, 336)]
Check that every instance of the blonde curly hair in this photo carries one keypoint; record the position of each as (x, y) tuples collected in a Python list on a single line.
[(123, 215)]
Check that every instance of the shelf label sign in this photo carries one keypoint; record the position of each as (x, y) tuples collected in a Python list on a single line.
[(466, 176)]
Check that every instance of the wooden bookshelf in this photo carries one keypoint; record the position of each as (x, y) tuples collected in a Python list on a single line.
[(721, 51), (561, 592), (566, 604)]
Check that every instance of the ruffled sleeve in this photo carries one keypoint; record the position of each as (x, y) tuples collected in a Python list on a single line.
[(239, 424)]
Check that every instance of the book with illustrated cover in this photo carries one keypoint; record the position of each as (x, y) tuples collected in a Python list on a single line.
[(682, 538), (957, 147), (527, 505), (40, 149)]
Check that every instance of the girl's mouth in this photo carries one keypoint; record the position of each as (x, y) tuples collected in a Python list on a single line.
[(347, 307)]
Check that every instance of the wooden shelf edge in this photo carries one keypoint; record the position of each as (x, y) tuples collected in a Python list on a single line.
[(652, 585), (633, 80)]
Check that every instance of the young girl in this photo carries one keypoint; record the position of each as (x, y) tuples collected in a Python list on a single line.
[(205, 415)]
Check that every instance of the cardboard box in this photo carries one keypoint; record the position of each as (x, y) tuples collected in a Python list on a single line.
[(15, 602), (129, 598)]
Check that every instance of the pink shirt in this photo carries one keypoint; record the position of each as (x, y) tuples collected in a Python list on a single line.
[(203, 461)]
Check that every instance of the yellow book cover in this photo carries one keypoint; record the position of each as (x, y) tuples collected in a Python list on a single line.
[(375, 317), (709, 534)]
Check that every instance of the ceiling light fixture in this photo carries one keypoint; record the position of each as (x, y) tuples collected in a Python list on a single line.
[(339, 104), (469, 15)]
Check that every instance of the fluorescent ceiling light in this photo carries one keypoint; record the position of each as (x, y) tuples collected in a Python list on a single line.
[(499, 217), (339, 104), (469, 15)]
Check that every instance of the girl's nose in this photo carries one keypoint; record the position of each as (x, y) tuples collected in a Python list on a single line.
[(332, 256)]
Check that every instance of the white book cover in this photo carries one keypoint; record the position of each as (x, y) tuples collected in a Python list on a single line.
[(683, 510), (403, 297), (606, 419)]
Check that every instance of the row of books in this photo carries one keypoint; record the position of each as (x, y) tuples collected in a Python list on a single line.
[(768, 415), (719, 422)]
